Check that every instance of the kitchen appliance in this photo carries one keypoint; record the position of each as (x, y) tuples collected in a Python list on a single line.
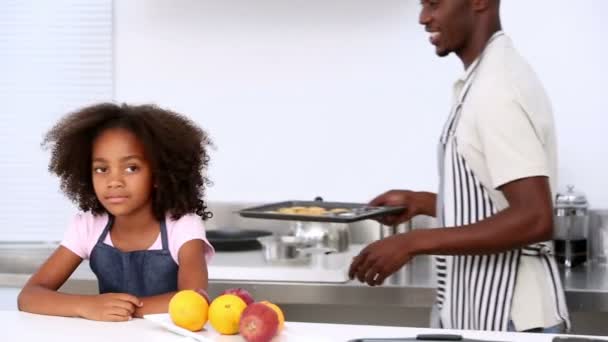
[(288, 248), (571, 219), (230, 239), (598, 238), (305, 239), (387, 231), (335, 236)]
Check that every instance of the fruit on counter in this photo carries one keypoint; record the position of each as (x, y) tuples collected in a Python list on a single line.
[(259, 323), (225, 313), (241, 293), (188, 309), (279, 312)]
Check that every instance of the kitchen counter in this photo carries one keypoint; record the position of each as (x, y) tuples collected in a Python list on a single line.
[(19, 326), (412, 287)]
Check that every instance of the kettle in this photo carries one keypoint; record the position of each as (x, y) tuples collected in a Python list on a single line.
[(571, 221)]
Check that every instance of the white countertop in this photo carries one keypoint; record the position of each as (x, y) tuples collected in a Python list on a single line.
[(250, 266), (19, 326)]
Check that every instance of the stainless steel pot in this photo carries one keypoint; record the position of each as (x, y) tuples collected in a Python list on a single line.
[(571, 219), (387, 231), (288, 248), (335, 236), (278, 248)]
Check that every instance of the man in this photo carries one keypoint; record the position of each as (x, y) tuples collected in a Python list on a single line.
[(497, 163)]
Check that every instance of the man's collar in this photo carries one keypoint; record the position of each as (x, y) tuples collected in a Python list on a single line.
[(469, 71)]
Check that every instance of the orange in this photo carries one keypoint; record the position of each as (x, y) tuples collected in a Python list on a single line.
[(279, 312), (225, 313), (188, 310)]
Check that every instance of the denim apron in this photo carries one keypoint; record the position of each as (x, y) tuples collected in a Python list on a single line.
[(139, 273)]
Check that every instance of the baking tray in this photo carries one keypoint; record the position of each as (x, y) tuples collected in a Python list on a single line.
[(339, 212)]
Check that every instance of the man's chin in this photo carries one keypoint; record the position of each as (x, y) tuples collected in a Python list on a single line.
[(441, 52)]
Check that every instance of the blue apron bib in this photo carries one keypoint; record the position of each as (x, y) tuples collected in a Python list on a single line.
[(139, 273)]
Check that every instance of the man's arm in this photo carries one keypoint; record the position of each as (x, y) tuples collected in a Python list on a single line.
[(527, 220)]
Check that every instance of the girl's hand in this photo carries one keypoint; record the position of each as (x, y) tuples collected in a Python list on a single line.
[(110, 307)]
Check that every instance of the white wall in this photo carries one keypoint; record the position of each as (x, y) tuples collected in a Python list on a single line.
[(345, 98), (54, 57), (8, 298)]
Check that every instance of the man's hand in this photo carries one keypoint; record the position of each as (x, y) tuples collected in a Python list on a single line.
[(382, 258), (415, 203)]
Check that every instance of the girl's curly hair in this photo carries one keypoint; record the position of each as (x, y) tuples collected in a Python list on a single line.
[(175, 146)]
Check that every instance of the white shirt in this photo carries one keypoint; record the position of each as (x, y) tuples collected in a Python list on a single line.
[(505, 133)]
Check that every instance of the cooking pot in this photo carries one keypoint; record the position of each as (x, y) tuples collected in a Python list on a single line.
[(289, 248), (335, 236)]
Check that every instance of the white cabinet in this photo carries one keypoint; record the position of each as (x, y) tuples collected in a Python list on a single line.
[(8, 298)]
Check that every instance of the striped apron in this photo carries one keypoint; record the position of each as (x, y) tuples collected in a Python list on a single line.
[(475, 291)]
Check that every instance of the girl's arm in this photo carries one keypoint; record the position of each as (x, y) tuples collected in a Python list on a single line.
[(192, 275), (39, 295)]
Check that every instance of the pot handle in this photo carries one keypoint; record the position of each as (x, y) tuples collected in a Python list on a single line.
[(315, 251)]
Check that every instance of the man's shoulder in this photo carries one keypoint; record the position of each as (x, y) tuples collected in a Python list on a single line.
[(506, 76)]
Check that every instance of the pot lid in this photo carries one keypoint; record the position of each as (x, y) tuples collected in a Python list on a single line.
[(571, 198)]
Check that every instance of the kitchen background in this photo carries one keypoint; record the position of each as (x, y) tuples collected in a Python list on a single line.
[(338, 98), (345, 98)]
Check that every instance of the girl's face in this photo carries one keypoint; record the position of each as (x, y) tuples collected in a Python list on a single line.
[(122, 177)]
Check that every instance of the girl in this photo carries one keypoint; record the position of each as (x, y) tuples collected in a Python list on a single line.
[(137, 174)]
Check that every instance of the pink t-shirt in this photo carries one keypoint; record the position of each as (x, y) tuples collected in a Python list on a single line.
[(86, 228)]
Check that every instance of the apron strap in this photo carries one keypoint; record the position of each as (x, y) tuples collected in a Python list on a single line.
[(107, 228), (450, 128), (452, 122), (163, 235)]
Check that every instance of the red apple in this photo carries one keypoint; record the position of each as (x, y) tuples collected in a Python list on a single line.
[(259, 323), (241, 293)]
